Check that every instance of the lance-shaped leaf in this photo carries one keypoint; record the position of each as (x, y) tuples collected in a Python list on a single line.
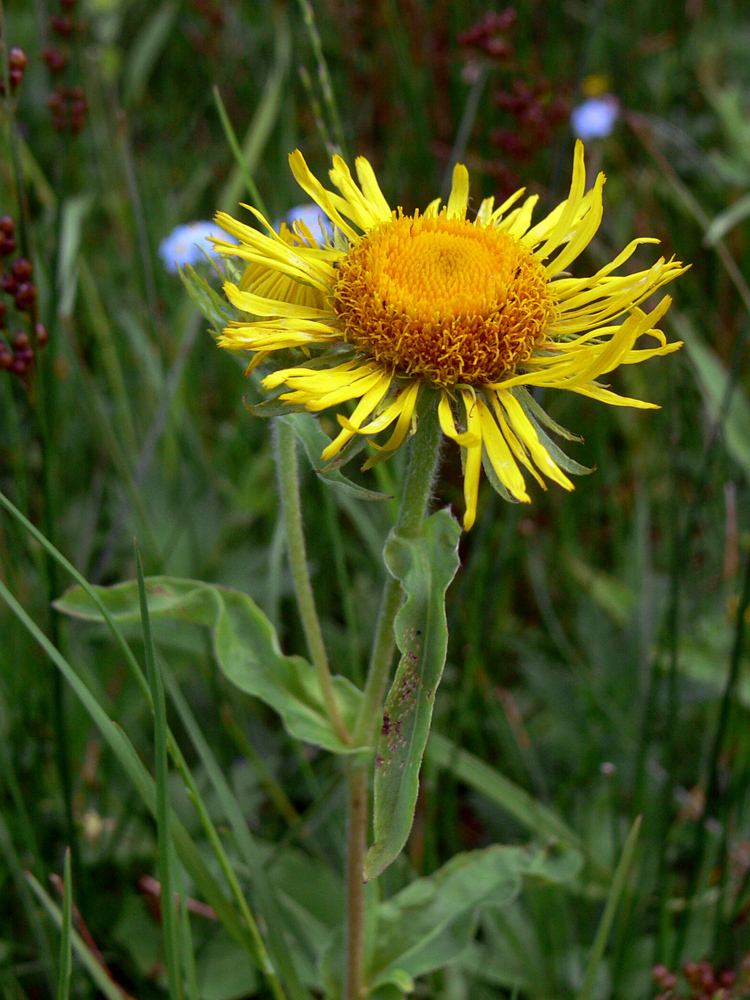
[(314, 440), (424, 564), (245, 644), (432, 920), (213, 306)]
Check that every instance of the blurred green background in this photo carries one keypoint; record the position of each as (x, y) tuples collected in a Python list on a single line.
[(597, 656)]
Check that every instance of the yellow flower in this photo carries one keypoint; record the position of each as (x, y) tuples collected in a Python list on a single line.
[(394, 307)]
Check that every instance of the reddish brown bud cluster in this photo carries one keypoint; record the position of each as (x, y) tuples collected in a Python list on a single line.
[(486, 36), (533, 106), (704, 983), (16, 280), (203, 32), (7, 236), (55, 59), (212, 13), (17, 63), (19, 357), (69, 107), (68, 104), (537, 110)]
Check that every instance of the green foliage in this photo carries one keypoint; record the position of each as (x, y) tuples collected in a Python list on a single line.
[(245, 645), (596, 665), (424, 566)]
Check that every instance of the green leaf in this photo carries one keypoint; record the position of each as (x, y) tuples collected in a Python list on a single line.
[(516, 801), (432, 920), (424, 565), (210, 304), (226, 972), (73, 214), (610, 909), (722, 223), (146, 50), (110, 989), (66, 953), (315, 440), (245, 644), (713, 379), (273, 407), (170, 936)]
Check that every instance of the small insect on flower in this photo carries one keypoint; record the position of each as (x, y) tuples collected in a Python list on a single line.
[(393, 312)]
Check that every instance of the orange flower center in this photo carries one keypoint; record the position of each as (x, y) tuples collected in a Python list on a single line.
[(443, 299)]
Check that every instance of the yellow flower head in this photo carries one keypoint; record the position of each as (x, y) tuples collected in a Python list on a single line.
[(395, 306)]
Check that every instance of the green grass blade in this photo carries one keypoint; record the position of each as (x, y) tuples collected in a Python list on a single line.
[(324, 77), (91, 591), (146, 50), (168, 915), (516, 801), (248, 936), (107, 345), (108, 987), (38, 933), (186, 943), (265, 117), (66, 948), (245, 842), (226, 124), (610, 908), (139, 776)]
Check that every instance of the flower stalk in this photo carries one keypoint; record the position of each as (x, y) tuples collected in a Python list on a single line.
[(420, 477), (288, 475)]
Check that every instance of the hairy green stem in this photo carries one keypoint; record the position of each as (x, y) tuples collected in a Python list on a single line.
[(285, 448), (417, 489), (359, 814)]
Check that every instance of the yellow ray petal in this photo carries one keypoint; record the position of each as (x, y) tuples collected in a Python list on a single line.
[(526, 432), (365, 211), (448, 426), (362, 411), (331, 376), (473, 460), (502, 209), (584, 233), (371, 189), (522, 220), (568, 288), (594, 391), (570, 207), (312, 186), (407, 401), (515, 444), (484, 213), (458, 201), (499, 454), (259, 306)]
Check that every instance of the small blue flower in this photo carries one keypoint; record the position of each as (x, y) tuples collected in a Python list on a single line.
[(595, 118), (186, 245), (313, 217)]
